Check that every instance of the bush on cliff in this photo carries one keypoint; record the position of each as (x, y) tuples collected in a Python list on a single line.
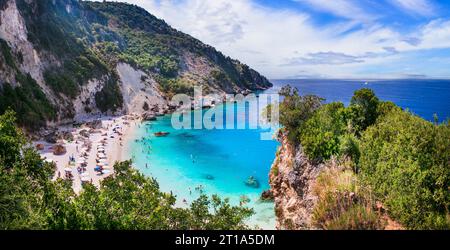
[(320, 134), (404, 159), (295, 110)]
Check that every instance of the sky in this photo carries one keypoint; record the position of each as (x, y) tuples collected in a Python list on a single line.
[(349, 39)]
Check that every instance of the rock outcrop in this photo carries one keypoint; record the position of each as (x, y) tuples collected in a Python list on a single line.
[(291, 179)]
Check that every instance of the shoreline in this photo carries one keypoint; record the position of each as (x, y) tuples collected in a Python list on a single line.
[(89, 147), (119, 149)]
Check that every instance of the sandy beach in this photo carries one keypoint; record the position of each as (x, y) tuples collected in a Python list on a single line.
[(91, 155)]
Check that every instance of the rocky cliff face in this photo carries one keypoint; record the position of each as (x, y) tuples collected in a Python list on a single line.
[(64, 60), (292, 177)]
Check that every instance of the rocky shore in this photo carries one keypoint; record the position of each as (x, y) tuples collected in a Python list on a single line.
[(291, 179)]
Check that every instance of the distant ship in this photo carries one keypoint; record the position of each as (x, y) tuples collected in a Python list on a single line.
[(366, 83)]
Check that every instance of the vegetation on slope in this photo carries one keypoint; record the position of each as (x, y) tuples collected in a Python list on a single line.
[(127, 200), (154, 46), (27, 99), (80, 41), (400, 158)]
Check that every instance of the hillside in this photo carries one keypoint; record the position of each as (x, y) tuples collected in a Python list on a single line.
[(64, 60)]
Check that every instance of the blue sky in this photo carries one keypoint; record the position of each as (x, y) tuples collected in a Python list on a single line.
[(362, 39)]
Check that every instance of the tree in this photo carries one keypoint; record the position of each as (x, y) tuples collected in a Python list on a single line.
[(363, 109), (320, 135), (295, 110)]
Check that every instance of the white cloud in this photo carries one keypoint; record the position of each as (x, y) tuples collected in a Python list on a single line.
[(421, 7), (342, 8), (281, 43)]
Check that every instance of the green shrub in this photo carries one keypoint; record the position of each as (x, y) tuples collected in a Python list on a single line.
[(295, 110), (28, 101), (349, 147), (6, 53), (406, 161), (110, 97), (363, 109), (320, 134)]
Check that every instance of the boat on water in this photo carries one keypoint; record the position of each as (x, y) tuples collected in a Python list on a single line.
[(161, 134)]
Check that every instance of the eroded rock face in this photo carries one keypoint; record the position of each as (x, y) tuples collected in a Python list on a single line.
[(291, 180), (13, 30), (138, 89)]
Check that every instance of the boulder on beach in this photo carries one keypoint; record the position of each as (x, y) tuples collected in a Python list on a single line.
[(40, 146), (267, 195), (84, 133), (68, 136), (51, 137), (172, 107), (59, 150)]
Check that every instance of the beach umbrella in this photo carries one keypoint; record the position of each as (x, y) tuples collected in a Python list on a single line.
[(48, 160), (68, 169), (85, 174), (102, 160), (81, 162)]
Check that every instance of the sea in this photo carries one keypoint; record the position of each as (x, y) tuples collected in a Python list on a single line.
[(191, 162)]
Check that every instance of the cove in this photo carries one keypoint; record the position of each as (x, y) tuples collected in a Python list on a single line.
[(216, 161)]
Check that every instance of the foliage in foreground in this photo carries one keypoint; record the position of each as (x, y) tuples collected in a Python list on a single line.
[(343, 203), (127, 200), (404, 159)]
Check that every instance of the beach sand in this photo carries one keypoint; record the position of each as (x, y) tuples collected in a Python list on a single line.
[(112, 136)]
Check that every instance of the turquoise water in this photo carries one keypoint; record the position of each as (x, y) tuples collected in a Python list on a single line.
[(221, 160)]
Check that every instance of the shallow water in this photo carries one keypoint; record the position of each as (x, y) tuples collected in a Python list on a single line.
[(220, 160)]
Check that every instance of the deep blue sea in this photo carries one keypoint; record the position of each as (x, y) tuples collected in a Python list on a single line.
[(220, 161), (421, 97)]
